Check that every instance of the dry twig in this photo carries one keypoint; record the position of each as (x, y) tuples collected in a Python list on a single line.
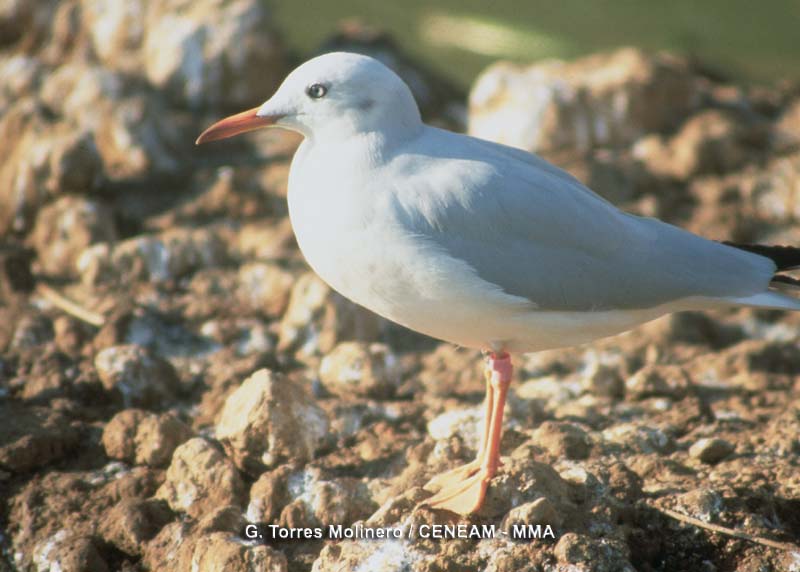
[(69, 306), (725, 530)]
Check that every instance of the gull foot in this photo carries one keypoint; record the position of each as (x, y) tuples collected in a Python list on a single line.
[(452, 477), (463, 490)]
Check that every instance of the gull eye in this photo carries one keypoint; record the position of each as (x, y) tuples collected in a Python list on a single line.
[(316, 90)]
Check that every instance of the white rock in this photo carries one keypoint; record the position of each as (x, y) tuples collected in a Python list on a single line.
[(605, 99)]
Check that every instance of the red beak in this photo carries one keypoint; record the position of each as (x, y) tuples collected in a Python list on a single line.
[(236, 124)]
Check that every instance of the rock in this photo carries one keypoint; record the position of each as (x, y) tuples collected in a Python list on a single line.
[(53, 510), (694, 328), (703, 503), (449, 370), (68, 553), (266, 241), (269, 495), (65, 37), (523, 480), (51, 378), (384, 555), (640, 438), (200, 478), (136, 375), (25, 147), (599, 554), (318, 318), (212, 52), (16, 278), (550, 389), (131, 523), (164, 549), (541, 511), (158, 258), (270, 419), (265, 287), (33, 330), (464, 423), (658, 381), (308, 498), (712, 141), (787, 127), (75, 164), (34, 437), (223, 519), (245, 193), (70, 335), (77, 90), (606, 99), (46, 158), (770, 356), (361, 369), (219, 552), (65, 228), (774, 192), (26, 22), (143, 438), (711, 450), (603, 380), (183, 547), (116, 30), (138, 139), (20, 74), (563, 439), (136, 136)]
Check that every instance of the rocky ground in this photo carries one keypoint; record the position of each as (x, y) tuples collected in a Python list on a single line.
[(172, 370)]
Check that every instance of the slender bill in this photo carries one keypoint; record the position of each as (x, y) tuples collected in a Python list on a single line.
[(236, 124)]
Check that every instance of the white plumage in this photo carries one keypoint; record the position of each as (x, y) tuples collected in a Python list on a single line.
[(474, 242)]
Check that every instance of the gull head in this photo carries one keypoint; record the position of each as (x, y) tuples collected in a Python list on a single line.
[(332, 97)]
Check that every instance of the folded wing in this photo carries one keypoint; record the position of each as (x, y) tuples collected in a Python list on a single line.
[(536, 232)]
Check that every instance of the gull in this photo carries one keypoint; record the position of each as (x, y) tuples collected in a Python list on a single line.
[(479, 244)]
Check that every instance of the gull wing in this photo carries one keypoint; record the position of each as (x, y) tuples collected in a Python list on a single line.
[(538, 233)]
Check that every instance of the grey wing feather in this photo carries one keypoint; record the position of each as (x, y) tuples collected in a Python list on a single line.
[(536, 232)]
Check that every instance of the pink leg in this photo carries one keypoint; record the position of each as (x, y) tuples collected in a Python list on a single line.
[(464, 490)]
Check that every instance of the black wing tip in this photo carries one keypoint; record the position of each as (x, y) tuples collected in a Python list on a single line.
[(784, 257)]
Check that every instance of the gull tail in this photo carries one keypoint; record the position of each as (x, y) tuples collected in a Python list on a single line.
[(785, 258)]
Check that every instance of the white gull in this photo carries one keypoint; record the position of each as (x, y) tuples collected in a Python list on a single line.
[(477, 243)]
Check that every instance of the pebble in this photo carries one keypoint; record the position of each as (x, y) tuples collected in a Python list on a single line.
[(540, 511), (200, 478), (711, 450), (270, 419), (563, 439), (603, 381), (34, 437), (65, 228), (466, 423), (144, 438), (222, 552), (318, 318), (265, 287), (132, 522), (658, 381), (640, 438), (703, 503), (137, 375), (360, 369)]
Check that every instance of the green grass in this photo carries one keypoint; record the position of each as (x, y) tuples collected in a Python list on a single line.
[(750, 41)]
